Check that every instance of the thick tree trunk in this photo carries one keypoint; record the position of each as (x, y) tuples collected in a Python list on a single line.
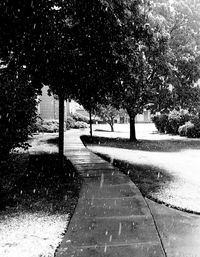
[(132, 128), (90, 123), (61, 130)]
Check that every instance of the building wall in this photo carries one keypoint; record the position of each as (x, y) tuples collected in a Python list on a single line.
[(145, 117), (48, 108)]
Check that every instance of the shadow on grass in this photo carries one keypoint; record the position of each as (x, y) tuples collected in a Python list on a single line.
[(103, 130), (109, 131), (53, 141), (45, 187), (149, 179), (144, 145)]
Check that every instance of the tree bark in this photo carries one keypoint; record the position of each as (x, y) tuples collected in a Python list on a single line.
[(61, 130), (132, 128), (112, 127), (90, 123)]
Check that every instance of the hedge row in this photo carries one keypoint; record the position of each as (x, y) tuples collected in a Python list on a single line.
[(51, 126), (178, 123)]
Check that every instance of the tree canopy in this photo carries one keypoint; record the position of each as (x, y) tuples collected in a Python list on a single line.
[(179, 20), (129, 51)]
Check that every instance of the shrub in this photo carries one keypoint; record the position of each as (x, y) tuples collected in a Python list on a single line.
[(176, 119), (174, 122), (78, 117), (160, 122), (46, 126), (70, 122), (195, 119), (194, 131), (170, 123), (183, 130), (80, 124)]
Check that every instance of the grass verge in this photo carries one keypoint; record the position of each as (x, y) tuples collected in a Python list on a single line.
[(37, 206), (43, 186)]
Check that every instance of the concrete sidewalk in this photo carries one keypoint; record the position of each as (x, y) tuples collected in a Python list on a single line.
[(112, 218)]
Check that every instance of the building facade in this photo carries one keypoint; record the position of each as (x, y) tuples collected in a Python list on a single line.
[(48, 108)]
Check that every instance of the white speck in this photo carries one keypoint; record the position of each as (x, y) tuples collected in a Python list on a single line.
[(120, 229), (105, 248), (92, 202), (102, 180)]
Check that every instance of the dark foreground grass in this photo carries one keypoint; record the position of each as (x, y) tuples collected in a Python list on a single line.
[(43, 186)]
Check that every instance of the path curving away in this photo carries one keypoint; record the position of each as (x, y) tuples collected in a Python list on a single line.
[(166, 168)]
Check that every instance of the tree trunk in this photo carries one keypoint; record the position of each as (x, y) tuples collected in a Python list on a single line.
[(132, 128), (90, 123), (61, 130), (111, 126)]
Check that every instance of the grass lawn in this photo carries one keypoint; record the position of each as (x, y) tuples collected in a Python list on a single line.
[(36, 209), (164, 167)]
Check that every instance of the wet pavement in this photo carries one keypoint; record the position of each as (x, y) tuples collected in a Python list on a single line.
[(179, 231), (112, 219)]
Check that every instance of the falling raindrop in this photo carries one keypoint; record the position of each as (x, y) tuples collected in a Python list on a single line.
[(102, 180), (120, 229), (105, 248)]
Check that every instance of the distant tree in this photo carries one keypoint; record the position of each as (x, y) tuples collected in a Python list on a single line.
[(108, 113), (142, 50)]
